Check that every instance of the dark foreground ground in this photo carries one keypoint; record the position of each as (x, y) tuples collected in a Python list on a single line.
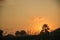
[(54, 35)]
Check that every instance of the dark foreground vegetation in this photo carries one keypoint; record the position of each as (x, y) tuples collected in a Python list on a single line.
[(44, 35)]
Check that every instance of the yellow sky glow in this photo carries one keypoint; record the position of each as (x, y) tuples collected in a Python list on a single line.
[(29, 15)]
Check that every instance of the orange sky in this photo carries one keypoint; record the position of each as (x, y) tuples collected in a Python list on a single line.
[(28, 15)]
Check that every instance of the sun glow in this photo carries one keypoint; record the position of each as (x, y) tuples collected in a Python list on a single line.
[(36, 24)]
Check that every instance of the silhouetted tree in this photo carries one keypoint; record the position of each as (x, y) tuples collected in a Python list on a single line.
[(44, 34), (9, 37), (17, 33), (1, 34), (45, 27), (23, 33)]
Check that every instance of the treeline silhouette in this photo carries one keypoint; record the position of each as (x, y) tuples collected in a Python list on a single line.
[(43, 35)]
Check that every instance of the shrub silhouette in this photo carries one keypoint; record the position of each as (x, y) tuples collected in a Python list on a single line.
[(1, 34), (21, 33)]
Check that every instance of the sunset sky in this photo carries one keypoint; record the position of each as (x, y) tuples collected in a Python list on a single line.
[(29, 15)]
